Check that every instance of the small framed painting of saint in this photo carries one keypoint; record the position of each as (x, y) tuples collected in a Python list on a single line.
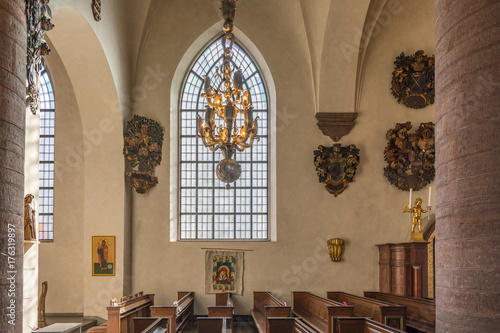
[(103, 255)]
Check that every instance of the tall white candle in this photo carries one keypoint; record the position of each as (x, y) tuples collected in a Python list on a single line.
[(410, 205), (429, 196)]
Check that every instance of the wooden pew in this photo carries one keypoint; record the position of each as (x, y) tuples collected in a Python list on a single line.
[(121, 314), (223, 307), (360, 325), (288, 325), (317, 311), (214, 324), (182, 311), (142, 323), (420, 313), (158, 325), (379, 311), (265, 305)]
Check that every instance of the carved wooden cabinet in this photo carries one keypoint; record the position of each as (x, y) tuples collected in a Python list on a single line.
[(403, 269)]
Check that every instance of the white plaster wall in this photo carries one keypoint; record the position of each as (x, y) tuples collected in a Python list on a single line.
[(62, 261), (369, 212), (31, 249)]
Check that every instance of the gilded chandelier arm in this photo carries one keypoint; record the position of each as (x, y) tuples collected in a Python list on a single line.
[(227, 101)]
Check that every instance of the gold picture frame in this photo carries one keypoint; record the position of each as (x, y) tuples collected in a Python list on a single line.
[(103, 256)]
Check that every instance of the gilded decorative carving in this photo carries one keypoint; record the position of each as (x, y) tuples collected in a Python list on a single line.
[(413, 80), (410, 157), (38, 16), (336, 124), (96, 9), (335, 248), (143, 140), (336, 166), (430, 266)]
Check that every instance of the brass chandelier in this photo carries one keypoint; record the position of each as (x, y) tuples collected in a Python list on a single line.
[(227, 101)]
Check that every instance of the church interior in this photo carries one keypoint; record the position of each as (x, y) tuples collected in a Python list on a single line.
[(106, 229)]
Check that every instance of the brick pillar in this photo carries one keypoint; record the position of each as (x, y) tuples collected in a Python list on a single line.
[(468, 166), (12, 125)]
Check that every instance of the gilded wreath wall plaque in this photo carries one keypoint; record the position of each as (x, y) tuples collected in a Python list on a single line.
[(413, 80), (410, 156), (143, 140), (336, 166)]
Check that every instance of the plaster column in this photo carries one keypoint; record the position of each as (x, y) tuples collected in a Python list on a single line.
[(12, 124), (467, 164)]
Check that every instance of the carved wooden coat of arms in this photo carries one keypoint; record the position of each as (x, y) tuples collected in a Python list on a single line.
[(336, 166), (413, 80), (143, 139), (410, 156)]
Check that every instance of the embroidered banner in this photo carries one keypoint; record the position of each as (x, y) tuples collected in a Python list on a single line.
[(224, 272)]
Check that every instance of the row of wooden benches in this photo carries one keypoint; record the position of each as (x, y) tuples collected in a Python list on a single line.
[(343, 312), (138, 314), (339, 312)]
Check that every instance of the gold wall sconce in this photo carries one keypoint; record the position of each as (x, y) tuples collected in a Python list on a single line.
[(335, 248)]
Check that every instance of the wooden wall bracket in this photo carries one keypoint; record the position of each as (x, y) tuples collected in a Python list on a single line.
[(336, 124)]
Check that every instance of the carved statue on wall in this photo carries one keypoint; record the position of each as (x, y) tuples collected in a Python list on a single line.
[(29, 218)]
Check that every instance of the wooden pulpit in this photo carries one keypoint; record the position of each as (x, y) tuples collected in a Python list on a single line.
[(403, 269)]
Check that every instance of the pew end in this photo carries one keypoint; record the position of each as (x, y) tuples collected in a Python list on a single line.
[(360, 325), (214, 324)]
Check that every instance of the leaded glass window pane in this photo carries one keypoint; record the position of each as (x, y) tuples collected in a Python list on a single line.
[(207, 209)]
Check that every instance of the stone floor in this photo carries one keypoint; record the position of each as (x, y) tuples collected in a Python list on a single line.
[(241, 324), (86, 322)]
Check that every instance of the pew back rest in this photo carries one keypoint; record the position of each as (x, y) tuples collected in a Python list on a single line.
[(213, 324), (152, 325), (261, 299), (360, 324), (121, 315), (315, 305), (377, 310), (317, 311), (265, 303), (288, 325), (181, 313), (223, 299), (223, 306), (420, 313)]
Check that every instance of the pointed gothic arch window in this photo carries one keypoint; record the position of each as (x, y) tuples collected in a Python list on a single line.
[(46, 159), (207, 211)]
